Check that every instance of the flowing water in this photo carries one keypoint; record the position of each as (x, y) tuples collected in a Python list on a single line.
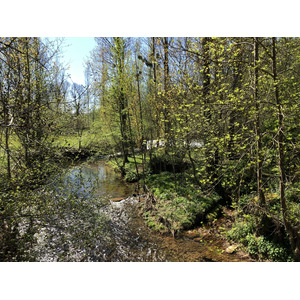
[(85, 225)]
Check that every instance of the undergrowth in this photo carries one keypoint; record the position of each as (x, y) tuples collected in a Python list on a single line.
[(177, 206), (264, 240)]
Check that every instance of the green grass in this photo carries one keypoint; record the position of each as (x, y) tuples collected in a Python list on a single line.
[(72, 140)]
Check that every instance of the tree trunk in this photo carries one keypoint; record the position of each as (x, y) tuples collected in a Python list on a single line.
[(294, 235), (7, 149), (123, 127), (166, 85), (260, 193), (27, 107)]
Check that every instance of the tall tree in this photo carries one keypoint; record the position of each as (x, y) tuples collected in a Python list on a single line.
[(78, 92), (294, 233), (115, 53), (259, 159)]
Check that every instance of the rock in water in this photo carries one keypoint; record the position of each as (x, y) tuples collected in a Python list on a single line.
[(117, 199), (231, 249)]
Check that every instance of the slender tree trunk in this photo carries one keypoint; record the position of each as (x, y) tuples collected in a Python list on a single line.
[(206, 69), (260, 193), (7, 149), (212, 156), (123, 127), (143, 146), (156, 124), (120, 60), (4, 100), (154, 61), (166, 84), (140, 104), (27, 107), (133, 154), (294, 235)]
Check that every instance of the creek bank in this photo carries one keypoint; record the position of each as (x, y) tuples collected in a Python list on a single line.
[(193, 242), (213, 236), (200, 244), (128, 238)]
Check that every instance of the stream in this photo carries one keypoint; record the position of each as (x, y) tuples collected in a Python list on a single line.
[(88, 222)]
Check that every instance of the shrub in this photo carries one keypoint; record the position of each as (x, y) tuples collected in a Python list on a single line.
[(131, 176), (240, 231), (162, 163), (261, 246)]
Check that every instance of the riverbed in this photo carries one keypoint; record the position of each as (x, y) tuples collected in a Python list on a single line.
[(90, 222)]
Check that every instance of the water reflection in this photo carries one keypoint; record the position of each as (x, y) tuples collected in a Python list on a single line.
[(84, 227), (97, 176)]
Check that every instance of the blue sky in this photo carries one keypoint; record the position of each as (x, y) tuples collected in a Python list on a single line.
[(75, 51)]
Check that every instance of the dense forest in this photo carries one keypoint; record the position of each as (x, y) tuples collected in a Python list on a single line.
[(200, 124)]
